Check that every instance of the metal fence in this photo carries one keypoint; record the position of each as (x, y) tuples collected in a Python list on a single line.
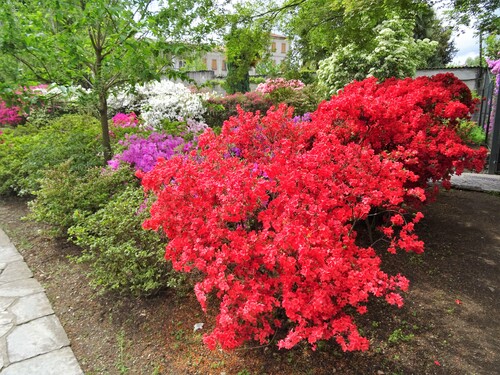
[(489, 119)]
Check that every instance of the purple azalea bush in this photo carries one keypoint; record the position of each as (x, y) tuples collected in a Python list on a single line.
[(143, 153), (494, 66)]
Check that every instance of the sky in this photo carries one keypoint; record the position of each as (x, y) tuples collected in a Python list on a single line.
[(467, 44)]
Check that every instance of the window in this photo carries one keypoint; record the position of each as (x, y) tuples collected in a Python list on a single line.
[(224, 67), (214, 64), (283, 47), (273, 47), (182, 63)]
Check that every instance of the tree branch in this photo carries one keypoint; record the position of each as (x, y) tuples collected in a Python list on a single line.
[(32, 69), (274, 12)]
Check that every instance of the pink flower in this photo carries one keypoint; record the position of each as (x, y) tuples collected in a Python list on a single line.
[(123, 120), (272, 84)]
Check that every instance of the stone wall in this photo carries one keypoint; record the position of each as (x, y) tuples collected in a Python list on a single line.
[(470, 76)]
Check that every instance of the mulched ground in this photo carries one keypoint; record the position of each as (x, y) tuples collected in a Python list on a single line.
[(450, 323)]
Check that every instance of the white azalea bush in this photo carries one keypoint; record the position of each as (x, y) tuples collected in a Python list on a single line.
[(394, 53), (159, 101)]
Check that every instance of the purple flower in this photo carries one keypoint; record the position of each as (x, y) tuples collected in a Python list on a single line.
[(143, 153), (305, 118)]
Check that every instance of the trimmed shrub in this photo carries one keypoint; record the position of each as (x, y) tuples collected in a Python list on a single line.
[(26, 152), (303, 101), (65, 196), (122, 256)]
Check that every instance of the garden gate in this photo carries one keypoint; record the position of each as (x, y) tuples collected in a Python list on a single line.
[(489, 120)]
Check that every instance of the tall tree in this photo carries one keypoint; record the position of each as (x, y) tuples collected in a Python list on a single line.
[(322, 26), (394, 53), (245, 46), (100, 44), (483, 15), (427, 25)]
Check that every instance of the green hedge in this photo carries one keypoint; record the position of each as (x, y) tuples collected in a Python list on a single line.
[(122, 256), (26, 151)]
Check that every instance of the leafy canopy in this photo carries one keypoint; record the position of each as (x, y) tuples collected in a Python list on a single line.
[(100, 44), (394, 54)]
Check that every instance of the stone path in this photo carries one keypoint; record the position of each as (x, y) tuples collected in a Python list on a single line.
[(32, 340), (477, 182)]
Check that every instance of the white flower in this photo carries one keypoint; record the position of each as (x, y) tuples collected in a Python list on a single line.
[(158, 101)]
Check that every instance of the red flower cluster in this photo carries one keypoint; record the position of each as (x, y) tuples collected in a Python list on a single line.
[(412, 121), (267, 210)]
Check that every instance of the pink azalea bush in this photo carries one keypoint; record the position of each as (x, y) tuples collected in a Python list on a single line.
[(10, 115), (123, 120), (272, 84)]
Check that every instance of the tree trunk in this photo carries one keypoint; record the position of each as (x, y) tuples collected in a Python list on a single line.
[(103, 112), (238, 79), (103, 101)]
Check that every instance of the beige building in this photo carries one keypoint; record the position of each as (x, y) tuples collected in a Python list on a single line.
[(216, 60)]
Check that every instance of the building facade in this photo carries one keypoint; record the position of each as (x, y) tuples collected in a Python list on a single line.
[(216, 60)]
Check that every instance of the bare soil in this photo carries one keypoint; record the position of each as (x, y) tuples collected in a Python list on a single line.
[(450, 323)]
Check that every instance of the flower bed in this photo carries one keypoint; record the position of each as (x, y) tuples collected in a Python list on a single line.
[(267, 210)]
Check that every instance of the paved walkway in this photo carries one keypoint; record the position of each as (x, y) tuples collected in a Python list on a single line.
[(477, 182), (32, 340)]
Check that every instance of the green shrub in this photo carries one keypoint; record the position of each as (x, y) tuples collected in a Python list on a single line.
[(122, 256), (65, 195), (305, 100), (470, 132), (26, 152), (14, 146), (220, 109)]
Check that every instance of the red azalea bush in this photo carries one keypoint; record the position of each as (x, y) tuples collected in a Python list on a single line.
[(413, 120), (267, 210)]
